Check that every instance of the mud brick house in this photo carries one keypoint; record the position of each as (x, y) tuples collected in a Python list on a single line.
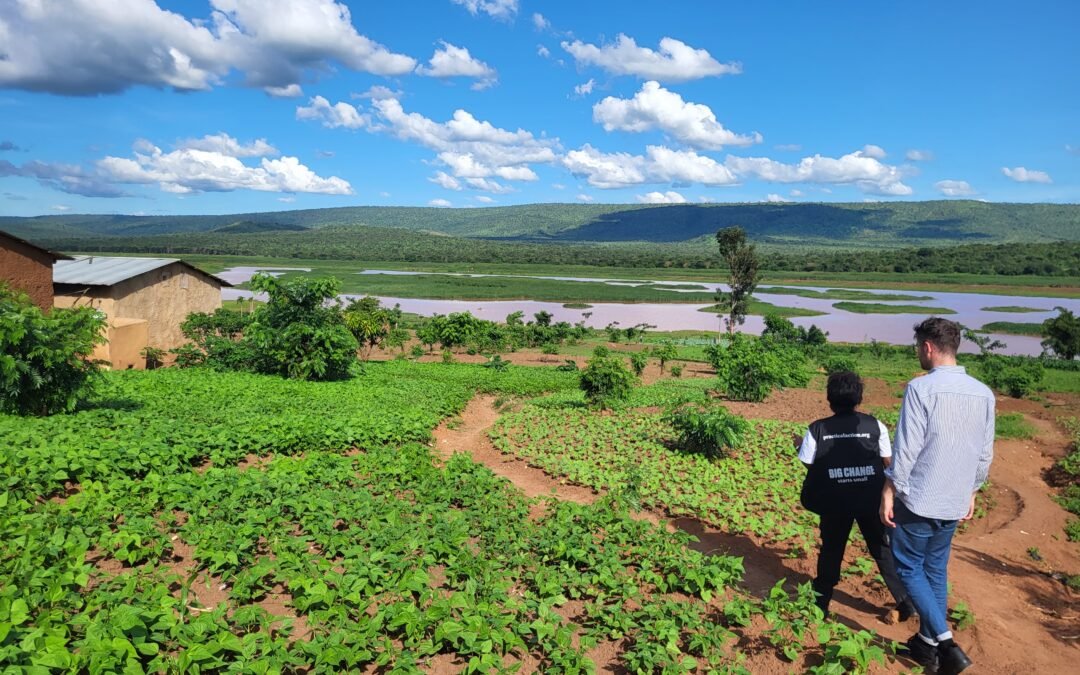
[(144, 300), (28, 268)]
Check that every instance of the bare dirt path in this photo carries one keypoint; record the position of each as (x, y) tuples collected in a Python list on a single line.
[(1026, 621)]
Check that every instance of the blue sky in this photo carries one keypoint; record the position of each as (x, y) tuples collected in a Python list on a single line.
[(218, 106)]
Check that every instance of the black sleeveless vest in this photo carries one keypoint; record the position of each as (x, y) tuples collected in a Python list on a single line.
[(847, 474)]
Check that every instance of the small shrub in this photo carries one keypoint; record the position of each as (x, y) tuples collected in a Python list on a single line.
[(606, 381), (600, 351), (1016, 377), (549, 348), (45, 364), (448, 356), (496, 363), (1072, 529), (638, 361), (838, 364), (676, 371), (568, 366), (749, 370), (416, 352), (707, 431), (665, 352)]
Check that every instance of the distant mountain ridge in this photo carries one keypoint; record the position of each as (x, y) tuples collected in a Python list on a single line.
[(877, 225)]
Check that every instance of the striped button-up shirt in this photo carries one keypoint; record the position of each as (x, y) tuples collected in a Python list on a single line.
[(944, 443)]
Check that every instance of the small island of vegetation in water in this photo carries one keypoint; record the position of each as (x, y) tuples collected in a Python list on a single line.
[(880, 308)]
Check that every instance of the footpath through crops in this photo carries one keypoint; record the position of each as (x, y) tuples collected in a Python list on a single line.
[(195, 521)]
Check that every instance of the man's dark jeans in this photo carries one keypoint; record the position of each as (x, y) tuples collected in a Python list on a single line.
[(921, 547), (835, 530)]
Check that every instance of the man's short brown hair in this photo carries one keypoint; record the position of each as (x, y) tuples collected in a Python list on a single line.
[(942, 333)]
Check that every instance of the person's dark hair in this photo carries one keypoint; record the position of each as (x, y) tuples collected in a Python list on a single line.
[(942, 333), (844, 391)]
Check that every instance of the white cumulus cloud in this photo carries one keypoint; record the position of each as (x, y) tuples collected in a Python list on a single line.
[(471, 148), (540, 22), (674, 61), (867, 173), (657, 108), (503, 10), (445, 180), (441, 203), (453, 61), (78, 47), (543, 51), (337, 115), (585, 198), (875, 151), (669, 197), (288, 91), (659, 165), (227, 145), (915, 155), (484, 199), (955, 188), (188, 169), (1022, 175), (774, 198)]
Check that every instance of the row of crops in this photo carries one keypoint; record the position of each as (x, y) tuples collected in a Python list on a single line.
[(121, 521), (752, 491)]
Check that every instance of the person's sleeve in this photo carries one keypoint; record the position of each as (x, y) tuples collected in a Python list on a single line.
[(808, 449), (884, 446), (909, 441), (982, 469)]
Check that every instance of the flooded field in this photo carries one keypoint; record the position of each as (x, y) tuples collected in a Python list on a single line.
[(842, 326)]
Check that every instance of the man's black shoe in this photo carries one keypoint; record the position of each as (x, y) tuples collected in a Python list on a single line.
[(952, 660), (922, 653)]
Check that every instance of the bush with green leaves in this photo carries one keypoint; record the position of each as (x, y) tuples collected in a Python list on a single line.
[(1016, 376), (676, 371), (45, 364), (606, 381), (638, 361), (297, 333), (749, 369), (838, 364), (369, 322), (217, 341), (782, 329), (708, 431)]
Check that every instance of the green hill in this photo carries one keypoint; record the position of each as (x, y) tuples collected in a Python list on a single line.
[(876, 225)]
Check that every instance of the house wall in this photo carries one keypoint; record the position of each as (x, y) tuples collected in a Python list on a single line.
[(160, 300), (164, 298), (27, 269)]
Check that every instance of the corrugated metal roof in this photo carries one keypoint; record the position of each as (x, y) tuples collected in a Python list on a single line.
[(98, 270)]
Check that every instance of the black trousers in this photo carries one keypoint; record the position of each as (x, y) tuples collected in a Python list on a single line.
[(835, 530)]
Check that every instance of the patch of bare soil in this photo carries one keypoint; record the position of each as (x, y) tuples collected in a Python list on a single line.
[(1026, 621)]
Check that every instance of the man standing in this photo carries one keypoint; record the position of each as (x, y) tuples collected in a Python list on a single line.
[(941, 457)]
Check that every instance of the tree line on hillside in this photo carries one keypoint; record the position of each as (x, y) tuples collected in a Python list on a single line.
[(394, 245)]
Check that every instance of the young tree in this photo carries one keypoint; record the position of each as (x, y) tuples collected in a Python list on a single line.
[(297, 333), (369, 322), (606, 381), (45, 364), (1062, 334), (665, 351), (743, 275)]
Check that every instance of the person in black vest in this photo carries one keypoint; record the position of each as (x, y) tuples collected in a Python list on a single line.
[(846, 456)]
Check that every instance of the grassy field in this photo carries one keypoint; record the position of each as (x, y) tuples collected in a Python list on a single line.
[(880, 308)]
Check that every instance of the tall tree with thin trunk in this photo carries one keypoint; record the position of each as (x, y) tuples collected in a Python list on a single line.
[(743, 275)]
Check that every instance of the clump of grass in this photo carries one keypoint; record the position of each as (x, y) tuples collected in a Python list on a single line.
[(1013, 426), (881, 308), (1012, 328)]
